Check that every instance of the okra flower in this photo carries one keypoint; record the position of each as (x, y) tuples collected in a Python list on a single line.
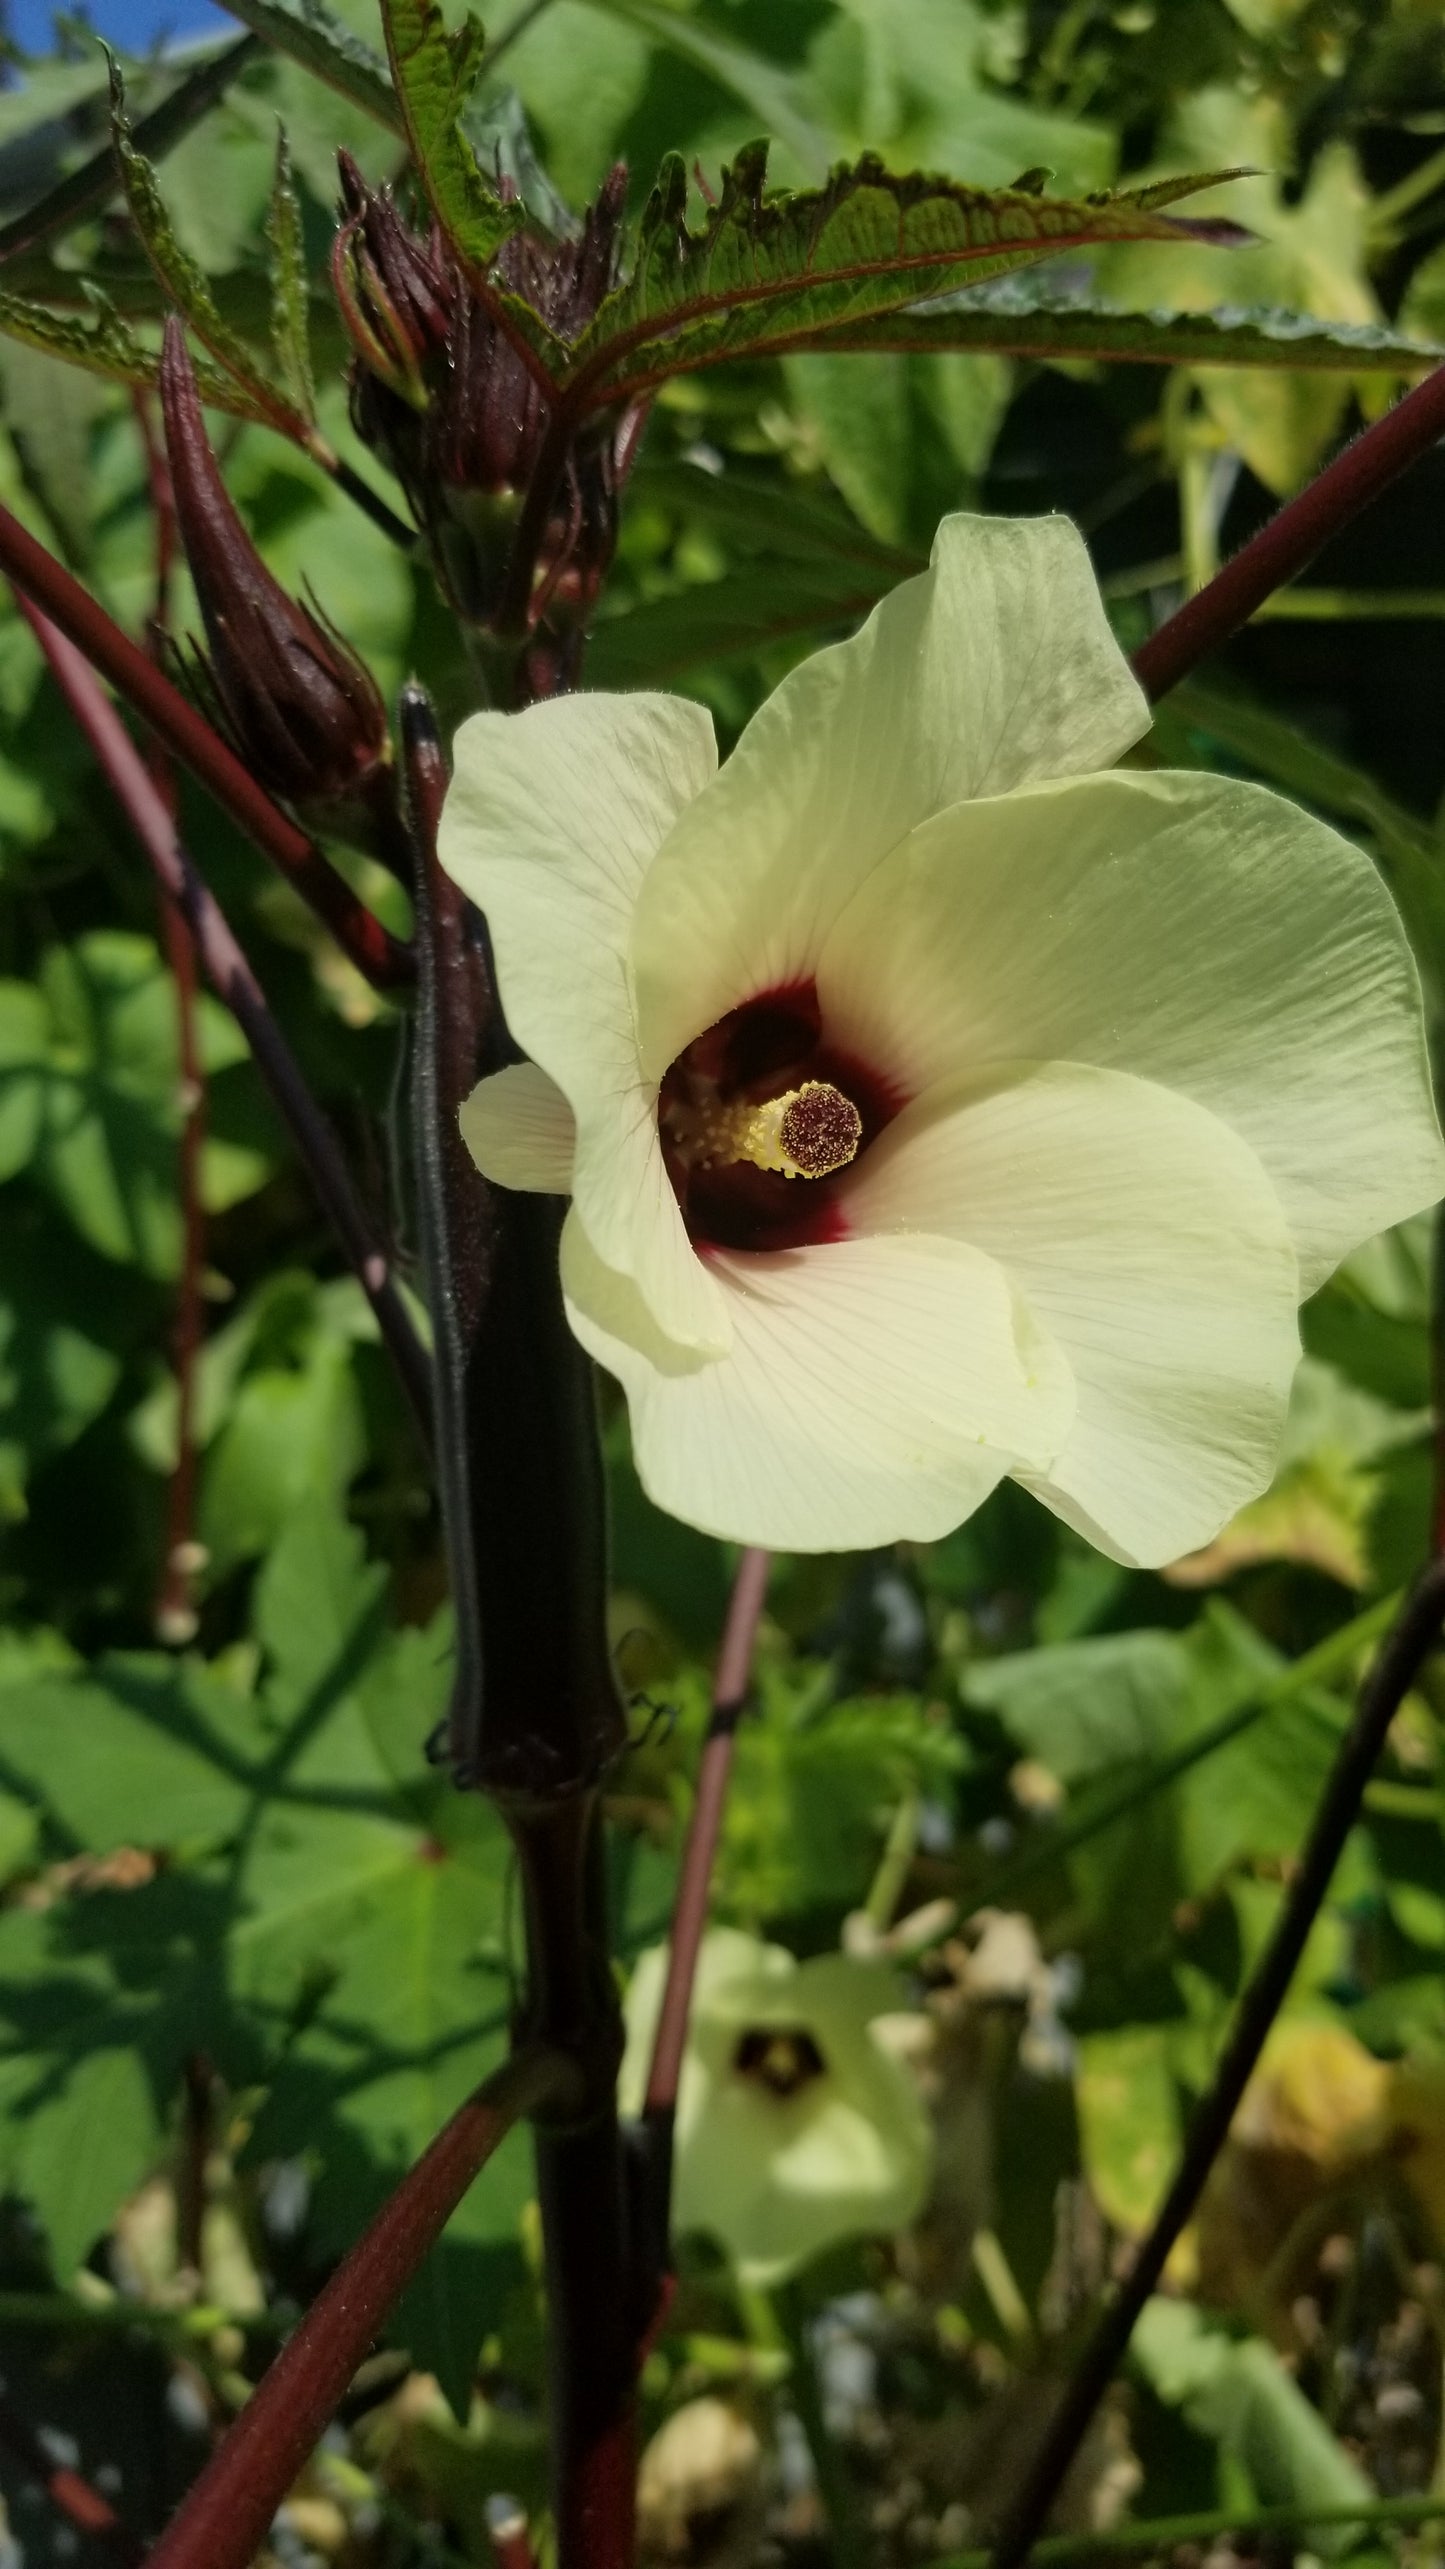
[(935, 1104), (796, 2125)]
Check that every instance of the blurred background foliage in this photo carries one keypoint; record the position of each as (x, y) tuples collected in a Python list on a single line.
[(252, 1949)]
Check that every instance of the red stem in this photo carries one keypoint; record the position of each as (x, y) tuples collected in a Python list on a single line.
[(236, 985), (507, 2532), (175, 1608), (47, 583), (689, 1918), (69, 2494), (1280, 551), (224, 2520)]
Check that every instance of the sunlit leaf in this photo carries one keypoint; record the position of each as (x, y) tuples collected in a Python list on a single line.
[(290, 331), (187, 284), (99, 340), (435, 70), (765, 274)]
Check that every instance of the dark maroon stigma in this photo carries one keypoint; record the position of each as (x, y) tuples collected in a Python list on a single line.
[(781, 2058), (773, 1043)]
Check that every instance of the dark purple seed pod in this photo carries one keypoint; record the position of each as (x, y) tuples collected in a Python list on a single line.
[(298, 704)]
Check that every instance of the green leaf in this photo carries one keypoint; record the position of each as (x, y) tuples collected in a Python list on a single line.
[(1129, 2121), (290, 293), (1082, 1707), (186, 284), (142, 1752), (104, 344), (768, 91), (795, 523), (1021, 319), (64, 1317), (24, 1033), (813, 1794), (107, 1149), (347, 1956), (83, 191), (768, 274), (1237, 2392), (435, 71), (664, 639), (321, 43), (101, 1998)]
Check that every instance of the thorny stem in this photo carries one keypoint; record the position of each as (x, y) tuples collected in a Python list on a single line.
[(222, 2523), (456, 1230), (59, 596), (1281, 550), (1399, 1662), (69, 2493), (175, 1615), (236, 985), (731, 1683)]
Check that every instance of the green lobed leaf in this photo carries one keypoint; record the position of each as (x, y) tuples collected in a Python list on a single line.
[(1017, 318), (106, 1148), (1237, 2392), (185, 282), (101, 1998), (24, 1044), (340, 1950), (312, 36), (104, 344), (139, 1752), (435, 71), (768, 274), (290, 293), (83, 191)]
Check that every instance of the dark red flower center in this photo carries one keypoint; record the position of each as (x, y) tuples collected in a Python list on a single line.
[(781, 2058), (761, 1118)]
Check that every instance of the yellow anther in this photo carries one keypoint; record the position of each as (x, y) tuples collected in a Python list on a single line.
[(808, 1132)]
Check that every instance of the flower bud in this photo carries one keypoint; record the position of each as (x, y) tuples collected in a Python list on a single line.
[(295, 701), (442, 395)]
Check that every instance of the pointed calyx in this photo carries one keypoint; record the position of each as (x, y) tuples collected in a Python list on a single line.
[(296, 702), (444, 395)]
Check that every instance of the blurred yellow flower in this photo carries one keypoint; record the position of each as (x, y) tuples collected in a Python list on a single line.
[(796, 2125)]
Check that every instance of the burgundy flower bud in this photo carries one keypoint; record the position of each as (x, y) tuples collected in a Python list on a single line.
[(296, 702), (442, 395)]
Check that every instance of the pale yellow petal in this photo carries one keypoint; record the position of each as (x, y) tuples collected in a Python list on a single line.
[(521, 1131), (873, 1389), (992, 668), (553, 818), (1195, 930), (1148, 1240)]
